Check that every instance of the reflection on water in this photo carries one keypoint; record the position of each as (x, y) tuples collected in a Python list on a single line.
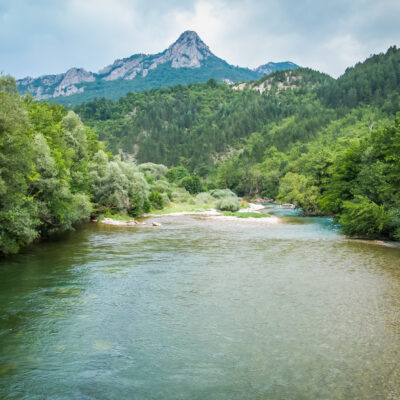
[(200, 309)]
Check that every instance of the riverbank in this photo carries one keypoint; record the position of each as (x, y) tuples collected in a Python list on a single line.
[(252, 213)]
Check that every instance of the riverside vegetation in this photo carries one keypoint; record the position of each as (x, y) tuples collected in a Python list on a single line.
[(329, 146), (55, 173)]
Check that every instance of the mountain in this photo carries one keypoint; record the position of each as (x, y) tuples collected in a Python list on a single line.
[(187, 60), (196, 124), (271, 67), (199, 125)]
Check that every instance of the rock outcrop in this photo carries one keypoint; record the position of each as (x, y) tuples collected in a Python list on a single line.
[(271, 67), (49, 86)]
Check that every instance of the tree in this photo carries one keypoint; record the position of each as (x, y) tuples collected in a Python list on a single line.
[(18, 211), (362, 217), (299, 190)]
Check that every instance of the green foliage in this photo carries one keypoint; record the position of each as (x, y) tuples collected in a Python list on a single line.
[(300, 191), (192, 184), (222, 193), (54, 172), (44, 181), (228, 204), (328, 146), (371, 82), (156, 171), (180, 195), (187, 126), (177, 173), (363, 185), (118, 185), (362, 217), (204, 198), (156, 199)]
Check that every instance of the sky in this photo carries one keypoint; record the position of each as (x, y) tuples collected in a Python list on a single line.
[(39, 37)]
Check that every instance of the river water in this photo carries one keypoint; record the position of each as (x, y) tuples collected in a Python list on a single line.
[(201, 309)]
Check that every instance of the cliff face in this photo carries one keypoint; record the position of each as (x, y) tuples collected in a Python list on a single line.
[(56, 85), (188, 52)]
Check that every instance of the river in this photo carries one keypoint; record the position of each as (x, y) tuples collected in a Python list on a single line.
[(201, 309)]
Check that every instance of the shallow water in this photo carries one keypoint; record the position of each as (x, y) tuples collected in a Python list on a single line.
[(199, 309)]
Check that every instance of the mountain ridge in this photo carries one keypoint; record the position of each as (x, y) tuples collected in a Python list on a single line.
[(188, 54)]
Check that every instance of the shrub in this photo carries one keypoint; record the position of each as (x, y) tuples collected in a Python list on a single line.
[(166, 199), (204, 198), (192, 184), (221, 193), (362, 217), (156, 171), (180, 195), (156, 199), (175, 174), (228, 204)]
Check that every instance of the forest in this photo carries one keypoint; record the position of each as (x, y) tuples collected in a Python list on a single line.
[(329, 146)]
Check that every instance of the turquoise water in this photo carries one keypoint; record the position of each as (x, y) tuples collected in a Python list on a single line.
[(201, 309)]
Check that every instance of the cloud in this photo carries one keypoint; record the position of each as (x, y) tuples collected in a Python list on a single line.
[(45, 36)]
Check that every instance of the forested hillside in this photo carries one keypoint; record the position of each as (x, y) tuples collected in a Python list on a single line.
[(329, 146), (54, 173)]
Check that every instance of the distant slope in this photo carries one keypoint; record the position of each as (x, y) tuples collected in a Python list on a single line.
[(193, 124), (374, 81), (304, 78), (198, 124), (271, 67), (187, 60)]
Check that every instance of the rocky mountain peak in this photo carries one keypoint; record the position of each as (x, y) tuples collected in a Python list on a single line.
[(190, 38), (188, 51)]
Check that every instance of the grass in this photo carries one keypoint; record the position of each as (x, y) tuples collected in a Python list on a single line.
[(245, 214), (183, 207)]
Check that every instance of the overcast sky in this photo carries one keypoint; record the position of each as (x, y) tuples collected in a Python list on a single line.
[(40, 37)]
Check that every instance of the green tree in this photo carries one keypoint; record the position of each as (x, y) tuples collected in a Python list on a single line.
[(299, 190), (362, 217)]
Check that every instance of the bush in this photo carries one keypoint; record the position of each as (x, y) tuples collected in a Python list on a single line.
[(156, 199), (221, 193), (228, 204), (166, 199), (146, 206), (180, 195), (156, 171), (362, 217), (192, 184), (204, 198), (175, 174)]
